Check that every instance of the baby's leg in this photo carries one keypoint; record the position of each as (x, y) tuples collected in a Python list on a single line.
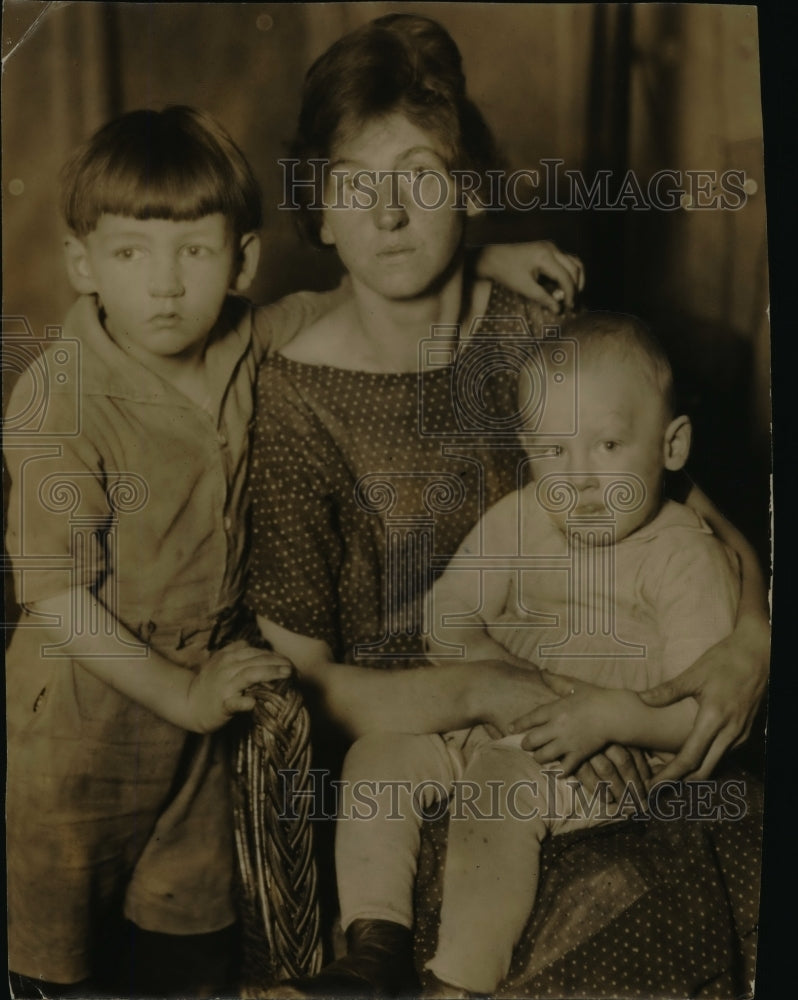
[(492, 866), (379, 830)]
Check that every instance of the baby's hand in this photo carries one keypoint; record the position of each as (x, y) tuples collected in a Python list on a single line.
[(219, 689), (571, 729)]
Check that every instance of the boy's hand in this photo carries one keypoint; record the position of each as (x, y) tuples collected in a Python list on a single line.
[(219, 689), (520, 266)]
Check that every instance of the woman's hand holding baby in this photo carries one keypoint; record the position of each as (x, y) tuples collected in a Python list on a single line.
[(219, 689), (728, 683)]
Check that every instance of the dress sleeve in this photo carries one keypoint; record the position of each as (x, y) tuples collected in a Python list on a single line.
[(697, 601), (57, 501), (296, 550)]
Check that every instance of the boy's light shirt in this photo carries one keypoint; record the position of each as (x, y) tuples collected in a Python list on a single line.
[(186, 465)]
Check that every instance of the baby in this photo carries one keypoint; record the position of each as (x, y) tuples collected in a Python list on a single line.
[(586, 572)]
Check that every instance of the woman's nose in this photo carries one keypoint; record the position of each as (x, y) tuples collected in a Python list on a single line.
[(390, 212), (165, 280)]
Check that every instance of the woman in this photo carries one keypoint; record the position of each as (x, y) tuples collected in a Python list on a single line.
[(370, 463)]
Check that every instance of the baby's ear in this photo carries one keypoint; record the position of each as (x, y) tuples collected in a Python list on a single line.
[(248, 257), (678, 437), (78, 266)]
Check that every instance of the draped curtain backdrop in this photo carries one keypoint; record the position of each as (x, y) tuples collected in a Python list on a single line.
[(600, 86)]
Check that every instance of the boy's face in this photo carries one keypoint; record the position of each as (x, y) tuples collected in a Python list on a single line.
[(161, 283), (622, 431), (384, 173)]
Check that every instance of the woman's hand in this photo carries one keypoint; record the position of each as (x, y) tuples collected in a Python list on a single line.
[(219, 689), (520, 266), (728, 683)]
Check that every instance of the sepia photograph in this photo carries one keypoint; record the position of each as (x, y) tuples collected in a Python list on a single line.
[(386, 499)]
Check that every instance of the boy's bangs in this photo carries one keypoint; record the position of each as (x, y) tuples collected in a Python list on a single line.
[(176, 164), (164, 193)]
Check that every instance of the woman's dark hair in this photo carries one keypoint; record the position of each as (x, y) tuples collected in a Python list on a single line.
[(400, 62), (175, 164)]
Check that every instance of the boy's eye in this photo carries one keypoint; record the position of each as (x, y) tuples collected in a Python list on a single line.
[(128, 253), (194, 250)]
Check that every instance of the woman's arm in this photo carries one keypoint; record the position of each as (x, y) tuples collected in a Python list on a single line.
[(200, 702), (423, 700), (729, 680)]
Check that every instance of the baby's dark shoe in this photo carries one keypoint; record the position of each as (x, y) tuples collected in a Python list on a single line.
[(436, 989), (378, 963)]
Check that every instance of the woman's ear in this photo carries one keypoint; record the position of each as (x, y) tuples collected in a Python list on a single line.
[(678, 436), (78, 266), (248, 257)]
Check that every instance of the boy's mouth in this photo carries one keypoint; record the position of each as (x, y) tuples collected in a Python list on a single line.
[(165, 319)]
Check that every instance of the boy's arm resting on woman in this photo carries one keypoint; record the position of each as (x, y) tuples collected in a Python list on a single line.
[(199, 702), (519, 266), (729, 680)]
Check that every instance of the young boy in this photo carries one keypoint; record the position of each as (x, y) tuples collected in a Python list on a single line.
[(587, 573), (129, 500), (126, 528)]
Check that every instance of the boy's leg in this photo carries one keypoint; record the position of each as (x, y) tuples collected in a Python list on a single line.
[(492, 867), (28, 988), (388, 779), (171, 965)]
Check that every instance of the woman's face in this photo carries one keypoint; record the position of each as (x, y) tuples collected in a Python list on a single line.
[(389, 207)]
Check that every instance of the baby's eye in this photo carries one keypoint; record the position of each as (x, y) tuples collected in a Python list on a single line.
[(610, 445)]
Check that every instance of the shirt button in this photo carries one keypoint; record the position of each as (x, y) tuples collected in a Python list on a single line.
[(228, 524), (221, 438)]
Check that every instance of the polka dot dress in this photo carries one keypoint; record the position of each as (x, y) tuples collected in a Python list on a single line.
[(661, 907), (364, 485)]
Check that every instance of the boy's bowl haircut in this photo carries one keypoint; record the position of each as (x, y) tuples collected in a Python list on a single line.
[(176, 164)]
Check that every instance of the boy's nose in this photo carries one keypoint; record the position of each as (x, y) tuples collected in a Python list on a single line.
[(165, 280)]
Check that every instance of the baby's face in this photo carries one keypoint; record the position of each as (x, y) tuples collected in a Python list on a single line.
[(161, 282), (618, 450)]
